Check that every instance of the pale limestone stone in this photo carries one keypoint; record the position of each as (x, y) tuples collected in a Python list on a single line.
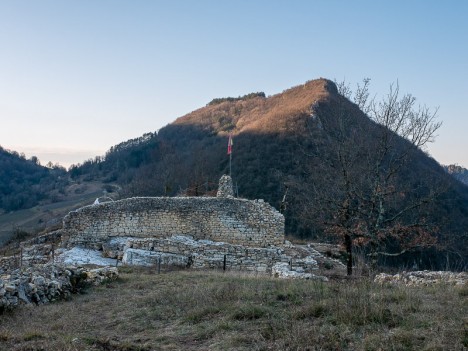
[(231, 220)]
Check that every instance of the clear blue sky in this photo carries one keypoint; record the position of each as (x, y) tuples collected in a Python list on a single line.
[(77, 77)]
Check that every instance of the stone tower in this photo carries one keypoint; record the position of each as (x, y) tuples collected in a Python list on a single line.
[(225, 187)]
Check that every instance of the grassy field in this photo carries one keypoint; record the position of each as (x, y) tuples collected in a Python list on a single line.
[(195, 310)]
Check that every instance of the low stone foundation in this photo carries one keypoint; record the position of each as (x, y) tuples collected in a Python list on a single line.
[(423, 278), (37, 254), (185, 251), (45, 283)]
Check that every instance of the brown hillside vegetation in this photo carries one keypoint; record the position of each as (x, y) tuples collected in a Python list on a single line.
[(294, 150), (275, 114)]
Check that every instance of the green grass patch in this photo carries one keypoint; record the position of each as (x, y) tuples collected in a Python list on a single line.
[(249, 312), (34, 335)]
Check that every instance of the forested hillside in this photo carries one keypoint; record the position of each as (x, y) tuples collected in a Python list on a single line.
[(24, 182)]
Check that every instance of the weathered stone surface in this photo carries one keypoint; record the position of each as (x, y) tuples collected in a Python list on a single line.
[(82, 256), (36, 254), (283, 270), (235, 221), (114, 247), (187, 252), (48, 238), (423, 278), (45, 283), (225, 188), (138, 257), (193, 253), (9, 263)]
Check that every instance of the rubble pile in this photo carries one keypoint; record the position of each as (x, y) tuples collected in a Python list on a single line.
[(41, 284), (423, 278)]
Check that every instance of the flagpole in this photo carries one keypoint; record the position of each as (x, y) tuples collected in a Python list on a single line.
[(230, 152)]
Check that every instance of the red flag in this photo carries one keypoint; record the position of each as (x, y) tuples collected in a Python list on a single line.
[(230, 144)]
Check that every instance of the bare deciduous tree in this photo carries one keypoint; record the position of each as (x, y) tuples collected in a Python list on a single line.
[(366, 193)]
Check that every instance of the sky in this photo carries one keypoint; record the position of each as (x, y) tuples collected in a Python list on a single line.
[(77, 77)]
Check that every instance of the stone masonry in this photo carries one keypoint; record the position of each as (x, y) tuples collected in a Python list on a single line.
[(185, 252), (225, 188), (227, 219), (42, 284)]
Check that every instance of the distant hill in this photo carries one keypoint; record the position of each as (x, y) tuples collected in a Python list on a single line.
[(34, 198), (24, 182), (458, 172), (282, 153)]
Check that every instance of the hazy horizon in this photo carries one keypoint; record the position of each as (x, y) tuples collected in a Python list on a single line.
[(64, 157)]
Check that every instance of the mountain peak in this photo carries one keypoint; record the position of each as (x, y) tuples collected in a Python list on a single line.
[(259, 114), (330, 86)]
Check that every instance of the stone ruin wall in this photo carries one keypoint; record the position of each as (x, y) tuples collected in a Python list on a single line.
[(184, 252), (38, 250), (197, 232), (235, 221), (9, 263)]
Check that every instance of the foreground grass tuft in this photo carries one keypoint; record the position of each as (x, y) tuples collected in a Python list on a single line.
[(193, 310)]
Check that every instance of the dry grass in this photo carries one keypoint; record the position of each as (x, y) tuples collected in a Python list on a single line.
[(259, 115), (190, 310)]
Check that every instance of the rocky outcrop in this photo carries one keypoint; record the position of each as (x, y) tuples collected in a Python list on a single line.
[(423, 278), (46, 283)]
